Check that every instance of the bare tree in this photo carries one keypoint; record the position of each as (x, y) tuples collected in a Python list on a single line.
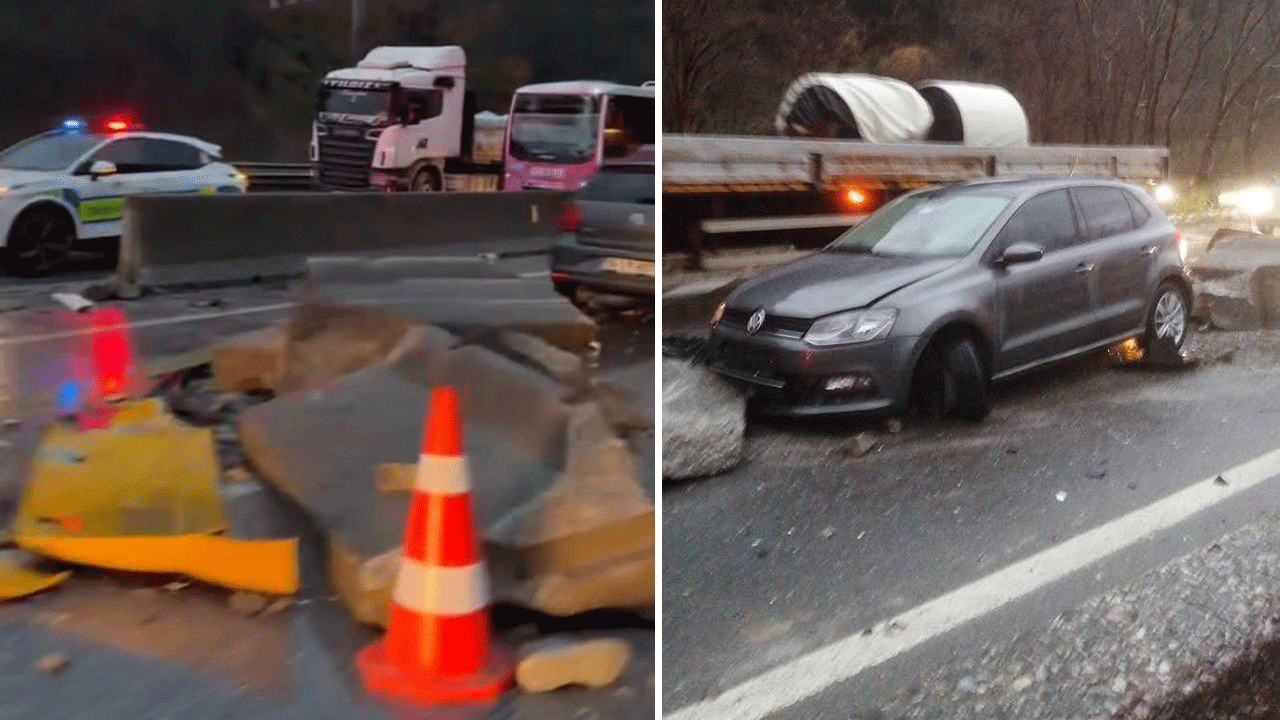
[(698, 38)]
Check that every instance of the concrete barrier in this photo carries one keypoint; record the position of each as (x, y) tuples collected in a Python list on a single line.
[(175, 239)]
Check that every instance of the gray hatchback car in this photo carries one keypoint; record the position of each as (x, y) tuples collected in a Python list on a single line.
[(944, 290)]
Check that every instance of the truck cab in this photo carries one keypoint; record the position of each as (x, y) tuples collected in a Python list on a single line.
[(402, 119)]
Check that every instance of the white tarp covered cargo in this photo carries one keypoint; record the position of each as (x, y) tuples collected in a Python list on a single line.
[(975, 114), (854, 106)]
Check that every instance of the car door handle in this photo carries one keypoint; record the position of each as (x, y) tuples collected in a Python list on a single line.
[(1084, 268)]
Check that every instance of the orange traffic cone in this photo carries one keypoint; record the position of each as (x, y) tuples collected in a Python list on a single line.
[(438, 647)]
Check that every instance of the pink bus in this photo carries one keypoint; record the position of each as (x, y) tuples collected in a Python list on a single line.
[(559, 133)]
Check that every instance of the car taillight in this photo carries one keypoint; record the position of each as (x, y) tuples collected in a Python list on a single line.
[(570, 219)]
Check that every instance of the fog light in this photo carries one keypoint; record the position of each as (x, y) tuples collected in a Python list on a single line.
[(849, 383)]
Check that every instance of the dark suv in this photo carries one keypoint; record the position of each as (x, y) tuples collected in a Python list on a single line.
[(607, 231), (944, 290)]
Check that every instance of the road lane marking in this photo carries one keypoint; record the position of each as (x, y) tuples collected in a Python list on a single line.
[(539, 274), (798, 679), (155, 322)]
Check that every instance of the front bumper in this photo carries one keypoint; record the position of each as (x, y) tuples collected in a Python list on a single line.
[(573, 262), (785, 376)]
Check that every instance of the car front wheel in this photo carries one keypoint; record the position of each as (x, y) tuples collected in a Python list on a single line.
[(1167, 322), (39, 240), (951, 381)]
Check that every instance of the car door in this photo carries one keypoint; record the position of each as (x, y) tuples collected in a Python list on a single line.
[(1046, 307), (1125, 250), (176, 168), (101, 200)]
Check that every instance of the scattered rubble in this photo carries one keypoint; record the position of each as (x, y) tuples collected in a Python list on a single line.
[(52, 664), (249, 362), (860, 444), (72, 301), (703, 422), (555, 662), (395, 477)]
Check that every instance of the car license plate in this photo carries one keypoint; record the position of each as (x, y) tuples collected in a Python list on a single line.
[(629, 267)]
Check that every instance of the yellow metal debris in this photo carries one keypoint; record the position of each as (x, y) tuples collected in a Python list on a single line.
[(142, 495), (18, 579)]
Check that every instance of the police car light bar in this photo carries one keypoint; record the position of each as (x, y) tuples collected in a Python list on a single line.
[(73, 124)]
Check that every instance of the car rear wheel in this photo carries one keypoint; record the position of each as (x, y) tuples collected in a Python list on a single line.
[(1167, 322), (38, 242), (950, 381)]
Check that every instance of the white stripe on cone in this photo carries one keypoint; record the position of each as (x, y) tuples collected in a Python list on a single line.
[(433, 590), (442, 475)]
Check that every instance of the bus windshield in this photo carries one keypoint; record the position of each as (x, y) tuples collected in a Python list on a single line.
[(562, 129)]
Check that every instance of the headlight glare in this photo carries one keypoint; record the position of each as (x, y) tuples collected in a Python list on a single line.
[(846, 328)]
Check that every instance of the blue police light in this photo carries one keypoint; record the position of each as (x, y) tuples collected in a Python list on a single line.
[(73, 124), (68, 397)]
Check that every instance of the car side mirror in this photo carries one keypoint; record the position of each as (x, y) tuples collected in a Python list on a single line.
[(1020, 253), (102, 168)]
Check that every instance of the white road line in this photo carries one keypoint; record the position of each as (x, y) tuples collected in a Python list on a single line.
[(540, 273), (24, 339), (788, 684)]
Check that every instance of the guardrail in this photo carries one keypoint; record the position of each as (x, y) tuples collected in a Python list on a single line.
[(277, 177)]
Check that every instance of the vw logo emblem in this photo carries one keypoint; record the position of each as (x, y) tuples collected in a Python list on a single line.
[(755, 322)]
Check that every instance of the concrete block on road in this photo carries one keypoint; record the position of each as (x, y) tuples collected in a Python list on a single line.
[(250, 361), (703, 422), (1237, 283), (596, 511)]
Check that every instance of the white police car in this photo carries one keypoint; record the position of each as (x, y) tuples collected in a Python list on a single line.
[(70, 184)]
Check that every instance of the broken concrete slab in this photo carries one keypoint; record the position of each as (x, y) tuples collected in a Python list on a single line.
[(594, 513), (323, 449), (325, 341), (251, 361), (620, 583), (703, 422), (1237, 282), (476, 307), (396, 477), (564, 366), (554, 662)]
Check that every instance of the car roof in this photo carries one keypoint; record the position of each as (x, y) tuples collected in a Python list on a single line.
[(1029, 185), (204, 145)]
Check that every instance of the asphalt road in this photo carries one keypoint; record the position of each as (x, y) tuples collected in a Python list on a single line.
[(804, 546), (146, 653)]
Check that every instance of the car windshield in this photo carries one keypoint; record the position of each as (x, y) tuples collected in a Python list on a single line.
[(930, 224), (341, 101), (48, 152), (555, 128)]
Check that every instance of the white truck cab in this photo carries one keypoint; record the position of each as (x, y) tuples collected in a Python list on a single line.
[(402, 119), (70, 184)]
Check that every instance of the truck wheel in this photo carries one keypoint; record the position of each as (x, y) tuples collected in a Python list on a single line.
[(425, 180), (39, 240)]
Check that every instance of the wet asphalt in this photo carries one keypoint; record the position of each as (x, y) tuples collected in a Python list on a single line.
[(803, 544), (137, 650)]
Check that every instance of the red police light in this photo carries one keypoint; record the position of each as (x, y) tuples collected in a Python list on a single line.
[(111, 352)]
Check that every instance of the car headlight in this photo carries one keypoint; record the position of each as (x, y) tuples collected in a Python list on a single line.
[(242, 179), (1253, 201), (717, 314), (851, 327)]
